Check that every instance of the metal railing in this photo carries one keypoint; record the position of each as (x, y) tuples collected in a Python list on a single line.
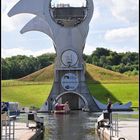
[(114, 131), (7, 127)]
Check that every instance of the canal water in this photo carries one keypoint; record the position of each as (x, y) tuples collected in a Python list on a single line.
[(77, 125)]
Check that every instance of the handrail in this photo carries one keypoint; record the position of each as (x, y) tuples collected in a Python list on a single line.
[(114, 125), (5, 124)]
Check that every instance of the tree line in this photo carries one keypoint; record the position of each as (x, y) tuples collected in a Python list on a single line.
[(19, 66), (127, 62)]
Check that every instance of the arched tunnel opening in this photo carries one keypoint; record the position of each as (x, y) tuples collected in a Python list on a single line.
[(75, 100)]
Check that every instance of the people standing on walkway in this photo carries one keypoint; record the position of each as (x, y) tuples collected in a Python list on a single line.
[(4, 107), (109, 110)]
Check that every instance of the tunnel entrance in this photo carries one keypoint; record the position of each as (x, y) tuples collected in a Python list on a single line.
[(73, 100), (76, 101)]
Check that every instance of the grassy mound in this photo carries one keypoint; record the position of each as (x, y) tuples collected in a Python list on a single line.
[(46, 74), (100, 75), (93, 74), (33, 89)]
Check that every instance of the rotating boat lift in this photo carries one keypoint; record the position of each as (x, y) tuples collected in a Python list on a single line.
[(68, 28)]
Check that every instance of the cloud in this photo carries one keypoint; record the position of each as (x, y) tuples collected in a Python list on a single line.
[(8, 4), (108, 14), (121, 34), (8, 52), (125, 10), (122, 10), (96, 15), (7, 25), (10, 24), (89, 49)]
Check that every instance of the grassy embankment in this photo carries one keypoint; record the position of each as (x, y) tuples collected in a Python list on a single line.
[(34, 89)]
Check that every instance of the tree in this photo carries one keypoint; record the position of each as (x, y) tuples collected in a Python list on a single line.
[(46, 59), (5, 69), (115, 58), (101, 52), (21, 65), (85, 57)]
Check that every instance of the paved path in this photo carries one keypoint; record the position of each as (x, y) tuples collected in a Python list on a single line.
[(129, 129), (22, 132)]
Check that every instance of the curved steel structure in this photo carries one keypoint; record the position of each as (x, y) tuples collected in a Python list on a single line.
[(69, 42)]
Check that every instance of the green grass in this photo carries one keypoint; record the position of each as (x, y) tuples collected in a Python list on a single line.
[(35, 95), (33, 89), (117, 92), (7, 83), (26, 95), (128, 117)]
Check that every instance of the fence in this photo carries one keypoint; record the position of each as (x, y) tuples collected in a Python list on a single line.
[(7, 127), (114, 131), (16, 83)]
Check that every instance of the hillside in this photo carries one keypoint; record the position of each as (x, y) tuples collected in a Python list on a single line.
[(94, 74), (33, 89)]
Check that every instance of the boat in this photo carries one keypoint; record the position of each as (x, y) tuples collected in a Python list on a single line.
[(60, 112), (61, 108)]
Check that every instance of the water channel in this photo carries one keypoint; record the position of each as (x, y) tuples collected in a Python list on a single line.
[(77, 125)]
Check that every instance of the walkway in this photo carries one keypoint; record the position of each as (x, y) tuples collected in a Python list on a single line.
[(22, 132), (129, 129)]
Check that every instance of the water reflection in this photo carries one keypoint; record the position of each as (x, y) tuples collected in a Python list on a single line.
[(77, 125)]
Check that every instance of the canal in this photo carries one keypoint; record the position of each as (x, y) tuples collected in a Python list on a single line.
[(77, 125)]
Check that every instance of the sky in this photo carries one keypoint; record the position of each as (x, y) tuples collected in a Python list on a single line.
[(114, 26)]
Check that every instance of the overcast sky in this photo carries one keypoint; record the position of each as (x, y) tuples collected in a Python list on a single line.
[(114, 26)]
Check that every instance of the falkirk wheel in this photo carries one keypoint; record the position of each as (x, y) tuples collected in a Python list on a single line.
[(68, 27)]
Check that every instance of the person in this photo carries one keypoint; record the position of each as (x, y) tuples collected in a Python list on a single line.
[(66, 107), (109, 106), (109, 110), (4, 107), (51, 101), (56, 106)]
